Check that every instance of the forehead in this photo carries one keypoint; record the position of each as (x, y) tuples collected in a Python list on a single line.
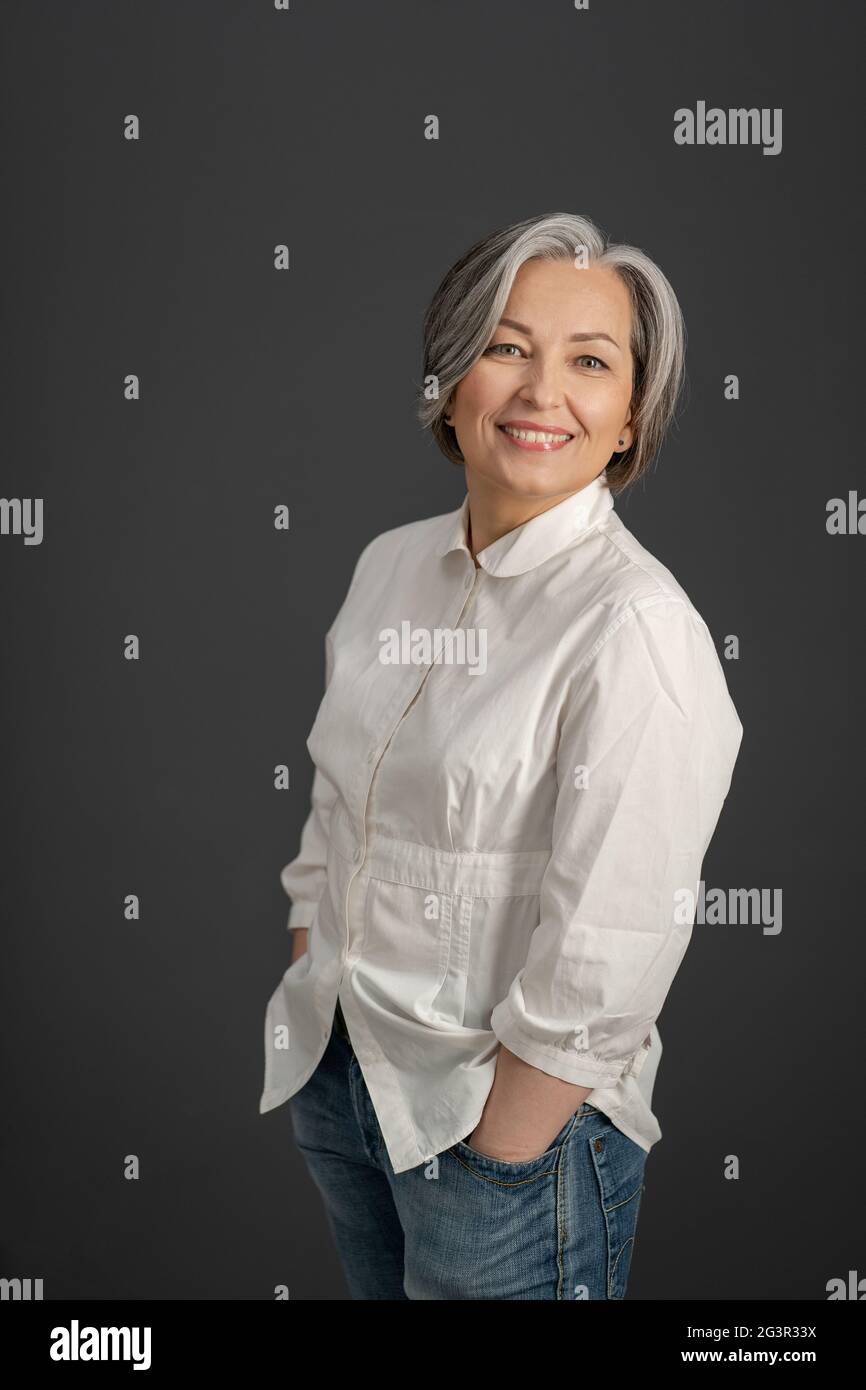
[(548, 293)]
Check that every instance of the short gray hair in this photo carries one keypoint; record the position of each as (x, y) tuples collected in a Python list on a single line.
[(471, 299)]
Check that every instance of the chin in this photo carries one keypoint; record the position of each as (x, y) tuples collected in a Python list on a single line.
[(535, 481)]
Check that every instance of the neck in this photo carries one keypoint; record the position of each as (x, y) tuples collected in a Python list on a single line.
[(494, 512)]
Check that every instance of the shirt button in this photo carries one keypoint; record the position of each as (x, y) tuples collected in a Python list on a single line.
[(356, 856), (371, 756), (468, 584)]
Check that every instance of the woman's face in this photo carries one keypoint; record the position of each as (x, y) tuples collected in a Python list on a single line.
[(560, 360)]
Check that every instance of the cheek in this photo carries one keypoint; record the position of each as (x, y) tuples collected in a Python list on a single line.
[(601, 411), (481, 394)]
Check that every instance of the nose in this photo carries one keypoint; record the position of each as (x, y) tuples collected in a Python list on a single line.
[(542, 386)]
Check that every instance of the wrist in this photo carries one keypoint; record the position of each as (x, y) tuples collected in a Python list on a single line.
[(486, 1141)]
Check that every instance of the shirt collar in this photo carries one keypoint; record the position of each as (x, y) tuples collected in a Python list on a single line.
[(535, 540)]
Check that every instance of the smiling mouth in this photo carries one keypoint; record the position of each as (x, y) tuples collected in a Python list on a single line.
[(543, 440)]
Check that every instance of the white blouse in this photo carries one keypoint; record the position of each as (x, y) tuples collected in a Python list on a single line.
[(518, 769)]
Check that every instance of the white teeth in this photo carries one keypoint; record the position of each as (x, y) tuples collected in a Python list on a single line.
[(536, 436)]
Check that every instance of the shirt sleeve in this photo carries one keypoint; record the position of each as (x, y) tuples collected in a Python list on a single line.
[(304, 877), (648, 741)]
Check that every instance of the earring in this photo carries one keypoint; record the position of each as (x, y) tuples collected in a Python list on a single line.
[(619, 441)]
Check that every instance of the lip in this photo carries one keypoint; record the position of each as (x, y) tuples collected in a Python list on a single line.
[(538, 446)]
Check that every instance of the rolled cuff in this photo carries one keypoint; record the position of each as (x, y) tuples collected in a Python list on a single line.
[(301, 914), (581, 1068)]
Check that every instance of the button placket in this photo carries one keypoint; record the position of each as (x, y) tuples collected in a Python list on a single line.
[(375, 753)]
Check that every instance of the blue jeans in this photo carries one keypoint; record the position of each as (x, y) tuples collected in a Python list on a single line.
[(461, 1225)]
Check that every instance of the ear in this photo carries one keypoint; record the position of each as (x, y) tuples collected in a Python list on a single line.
[(626, 434)]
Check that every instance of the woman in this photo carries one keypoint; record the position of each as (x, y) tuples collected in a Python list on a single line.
[(523, 749)]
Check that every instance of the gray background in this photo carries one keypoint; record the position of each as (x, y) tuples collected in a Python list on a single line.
[(258, 388)]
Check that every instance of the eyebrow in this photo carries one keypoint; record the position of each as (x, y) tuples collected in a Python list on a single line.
[(574, 338)]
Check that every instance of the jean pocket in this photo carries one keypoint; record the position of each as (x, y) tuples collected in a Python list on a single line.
[(619, 1165), (522, 1170)]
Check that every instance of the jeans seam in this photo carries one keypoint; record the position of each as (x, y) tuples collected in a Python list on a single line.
[(561, 1226), (357, 1093)]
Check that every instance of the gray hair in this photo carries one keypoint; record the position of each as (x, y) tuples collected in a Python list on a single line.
[(468, 304)]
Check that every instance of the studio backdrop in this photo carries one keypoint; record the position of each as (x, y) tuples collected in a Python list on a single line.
[(223, 225)]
